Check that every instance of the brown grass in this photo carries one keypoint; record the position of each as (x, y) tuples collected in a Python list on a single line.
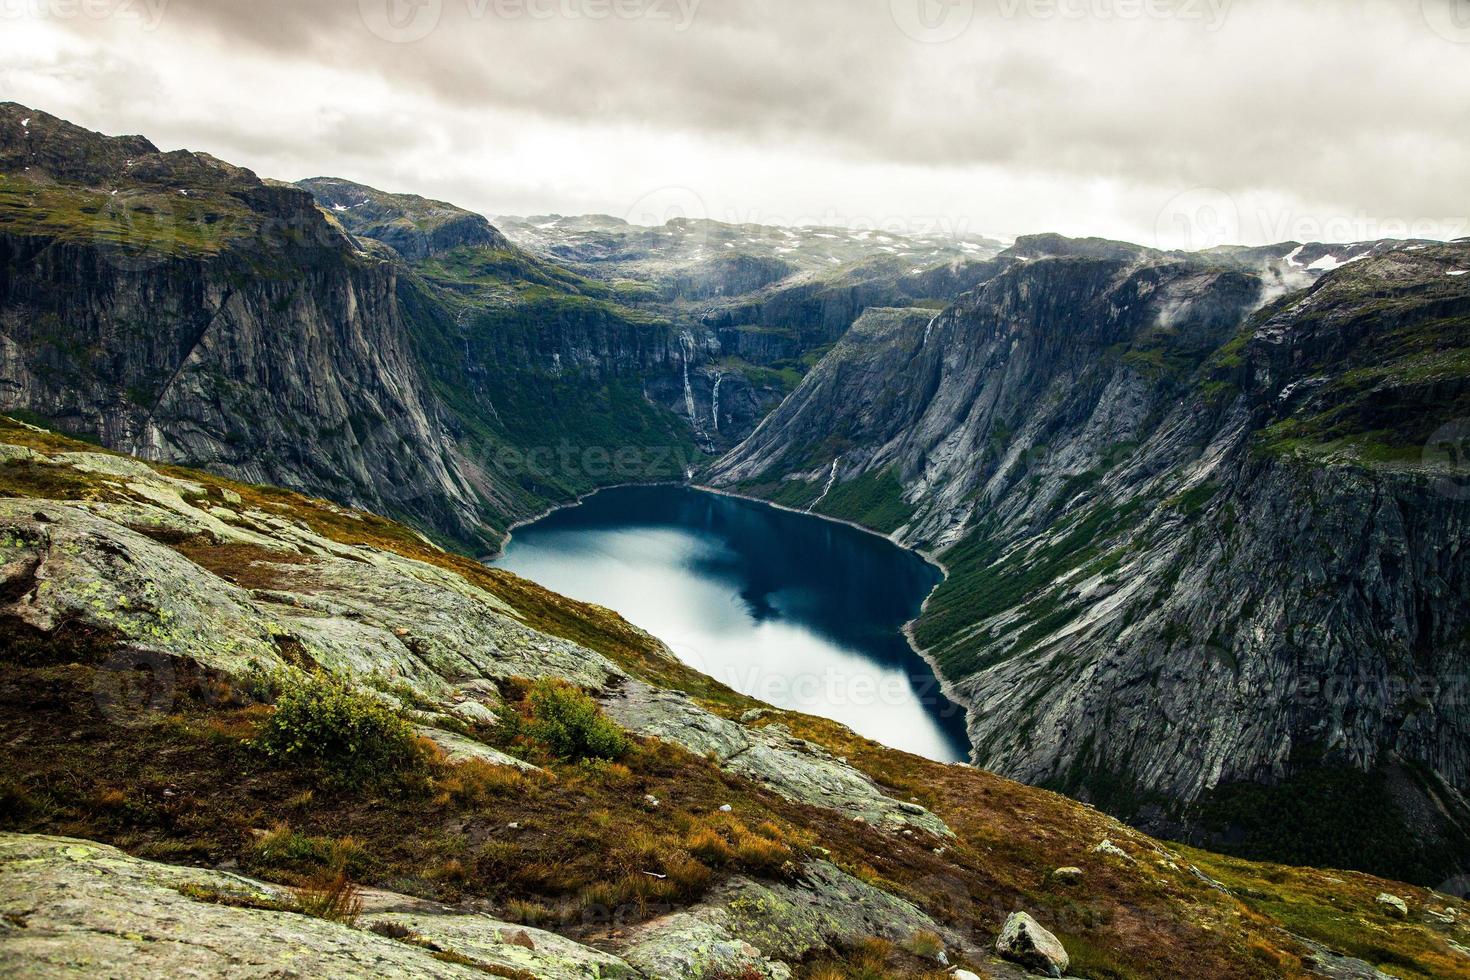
[(331, 896)]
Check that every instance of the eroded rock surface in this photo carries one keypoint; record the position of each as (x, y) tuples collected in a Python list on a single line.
[(73, 908)]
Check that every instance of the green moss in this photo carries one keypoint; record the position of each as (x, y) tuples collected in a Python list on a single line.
[(984, 581), (1191, 502), (784, 379)]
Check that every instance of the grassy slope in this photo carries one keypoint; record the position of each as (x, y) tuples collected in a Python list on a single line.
[(587, 840)]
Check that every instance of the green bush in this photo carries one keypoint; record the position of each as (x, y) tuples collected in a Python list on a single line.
[(572, 724), (354, 737)]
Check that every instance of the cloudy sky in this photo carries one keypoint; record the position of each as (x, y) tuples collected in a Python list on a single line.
[(1173, 122)]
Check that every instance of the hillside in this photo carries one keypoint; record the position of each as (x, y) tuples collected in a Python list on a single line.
[(161, 623)]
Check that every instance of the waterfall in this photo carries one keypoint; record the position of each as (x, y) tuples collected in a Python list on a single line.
[(686, 342), (831, 481), (689, 397), (691, 407), (930, 327), (715, 402)]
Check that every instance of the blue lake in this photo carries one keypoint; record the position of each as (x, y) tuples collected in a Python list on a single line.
[(800, 612)]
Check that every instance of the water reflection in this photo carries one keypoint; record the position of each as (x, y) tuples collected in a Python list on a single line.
[(800, 612)]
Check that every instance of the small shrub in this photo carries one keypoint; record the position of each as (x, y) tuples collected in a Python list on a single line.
[(16, 801), (352, 736), (528, 913), (451, 872), (331, 896), (925, 944), (391, 930), (571, 724), (757, 853)]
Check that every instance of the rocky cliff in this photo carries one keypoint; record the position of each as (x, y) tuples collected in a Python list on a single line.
[(181, 309), (1206, 562)]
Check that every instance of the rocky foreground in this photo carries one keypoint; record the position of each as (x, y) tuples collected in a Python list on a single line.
[(150, 616)]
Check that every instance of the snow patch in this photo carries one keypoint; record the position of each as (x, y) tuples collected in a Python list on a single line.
[(1328, 263), (1458, 272)]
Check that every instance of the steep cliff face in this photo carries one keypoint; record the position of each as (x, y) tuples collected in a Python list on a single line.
[(181, 309), (1187, 560)]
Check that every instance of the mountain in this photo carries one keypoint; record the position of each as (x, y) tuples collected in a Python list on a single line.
[(412, 226), (548, 792), (1206, 557), (182, 309)]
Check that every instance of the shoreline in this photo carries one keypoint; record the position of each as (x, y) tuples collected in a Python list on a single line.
[(946, 687)]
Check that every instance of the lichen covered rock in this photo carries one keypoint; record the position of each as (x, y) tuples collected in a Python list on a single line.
[(1022, 940)]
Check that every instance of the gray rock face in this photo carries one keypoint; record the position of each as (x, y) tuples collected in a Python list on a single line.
[(750, 925), (796, 769), (413, 226), (76, 908), (1150, 580), (235, 329)]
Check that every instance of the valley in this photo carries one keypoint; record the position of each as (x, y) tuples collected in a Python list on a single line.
[(1203, 516)]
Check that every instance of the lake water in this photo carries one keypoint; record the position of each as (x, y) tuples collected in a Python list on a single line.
[(800, 612)]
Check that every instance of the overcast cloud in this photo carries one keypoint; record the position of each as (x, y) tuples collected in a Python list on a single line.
[(1174, 122)]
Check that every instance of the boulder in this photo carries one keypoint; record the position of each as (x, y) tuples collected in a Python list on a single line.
[(1109, 849), (77, 908), (1024, 941), (1393, 905), (1067, 876)]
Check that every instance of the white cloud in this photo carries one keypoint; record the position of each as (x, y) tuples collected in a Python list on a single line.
[(1333, 117)]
